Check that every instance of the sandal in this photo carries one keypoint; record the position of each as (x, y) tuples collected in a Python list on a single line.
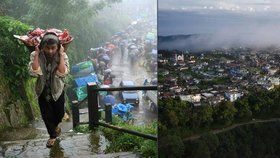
[(51, 142), (58, 131), (66, 117)]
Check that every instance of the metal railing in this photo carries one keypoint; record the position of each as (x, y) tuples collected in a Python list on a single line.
[(94, 110)]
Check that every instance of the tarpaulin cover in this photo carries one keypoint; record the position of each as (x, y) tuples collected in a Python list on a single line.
[(81, 92), (85, 66), (121, 109), (82, 81)]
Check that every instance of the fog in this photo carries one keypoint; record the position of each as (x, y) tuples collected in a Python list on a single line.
[(219, 29)]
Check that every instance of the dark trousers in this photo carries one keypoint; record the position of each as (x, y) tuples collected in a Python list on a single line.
[(52, 113)]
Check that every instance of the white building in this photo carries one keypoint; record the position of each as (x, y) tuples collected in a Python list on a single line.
[(232, 95), (179, 58), (191, 98), (272, 71), (274, 81), (207, 95)]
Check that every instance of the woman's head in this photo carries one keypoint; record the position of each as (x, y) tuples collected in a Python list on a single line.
[(50, 44)]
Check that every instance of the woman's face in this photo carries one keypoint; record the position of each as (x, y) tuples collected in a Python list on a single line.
[(50, 50)]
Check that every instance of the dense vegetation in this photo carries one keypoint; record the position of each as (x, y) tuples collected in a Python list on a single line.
[(80, 17), (120, 141), (180, 119), (254, 140), (14, 75)]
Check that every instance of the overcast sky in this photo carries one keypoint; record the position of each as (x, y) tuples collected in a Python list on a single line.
[(260, 17)]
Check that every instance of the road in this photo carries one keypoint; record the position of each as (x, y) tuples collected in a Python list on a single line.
[(137, 73), (217, 131)]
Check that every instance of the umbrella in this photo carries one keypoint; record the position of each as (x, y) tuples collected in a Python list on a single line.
[(109, 99)]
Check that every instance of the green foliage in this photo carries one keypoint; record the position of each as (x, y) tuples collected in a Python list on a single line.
[(126, 142), (216, 81), (185, 120), (82, 129), (225, 113), (244, 141), (29, 90), (257, 104), (80, 17), (13, 54), (13, 8), (120, 141), (174, 148)]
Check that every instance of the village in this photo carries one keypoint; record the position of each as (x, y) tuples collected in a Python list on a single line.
[(210, 77)]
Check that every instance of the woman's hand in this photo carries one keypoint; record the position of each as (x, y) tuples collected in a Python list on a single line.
[(61, 50), (37, 51), (35, 62), (61, 67)]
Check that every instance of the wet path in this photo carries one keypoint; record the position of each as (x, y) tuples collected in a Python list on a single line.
[(78, 144), (123, 70), (70, 144), (86, 145)]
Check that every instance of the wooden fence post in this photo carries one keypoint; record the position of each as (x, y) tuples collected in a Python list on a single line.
[(108, 113), (92, 104), (75, 113)]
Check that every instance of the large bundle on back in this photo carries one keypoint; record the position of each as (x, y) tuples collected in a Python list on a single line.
[(34, 37)]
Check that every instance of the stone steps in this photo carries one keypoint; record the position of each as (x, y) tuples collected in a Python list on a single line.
[(69, 145)]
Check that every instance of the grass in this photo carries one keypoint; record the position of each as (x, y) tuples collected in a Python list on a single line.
[(120, 141)]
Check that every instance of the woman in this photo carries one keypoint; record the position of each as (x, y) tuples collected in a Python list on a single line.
[(49, 64)]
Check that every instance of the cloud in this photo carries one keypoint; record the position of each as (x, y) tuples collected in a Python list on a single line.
[(226, 28), (233, 5)]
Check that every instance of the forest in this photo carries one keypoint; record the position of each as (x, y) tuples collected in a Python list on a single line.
[(180, 120)]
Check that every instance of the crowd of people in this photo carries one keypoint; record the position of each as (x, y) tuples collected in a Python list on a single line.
[(137, 44)]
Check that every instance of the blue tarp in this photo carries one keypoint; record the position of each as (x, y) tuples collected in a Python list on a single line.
[(82, 68), (121, 109), (82, 81)]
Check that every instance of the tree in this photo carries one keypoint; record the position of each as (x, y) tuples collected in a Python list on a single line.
[(200, 149), (171, 146), (243, 108), (225, 113), (80, 17)]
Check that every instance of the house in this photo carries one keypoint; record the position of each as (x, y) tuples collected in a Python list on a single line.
[(163, 61), (207, 95), (274, 81), (232, 95), (216, 100), (262, 81), (268, 86), (179, 58), (176, 89), (272, 71), (191, 98)]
